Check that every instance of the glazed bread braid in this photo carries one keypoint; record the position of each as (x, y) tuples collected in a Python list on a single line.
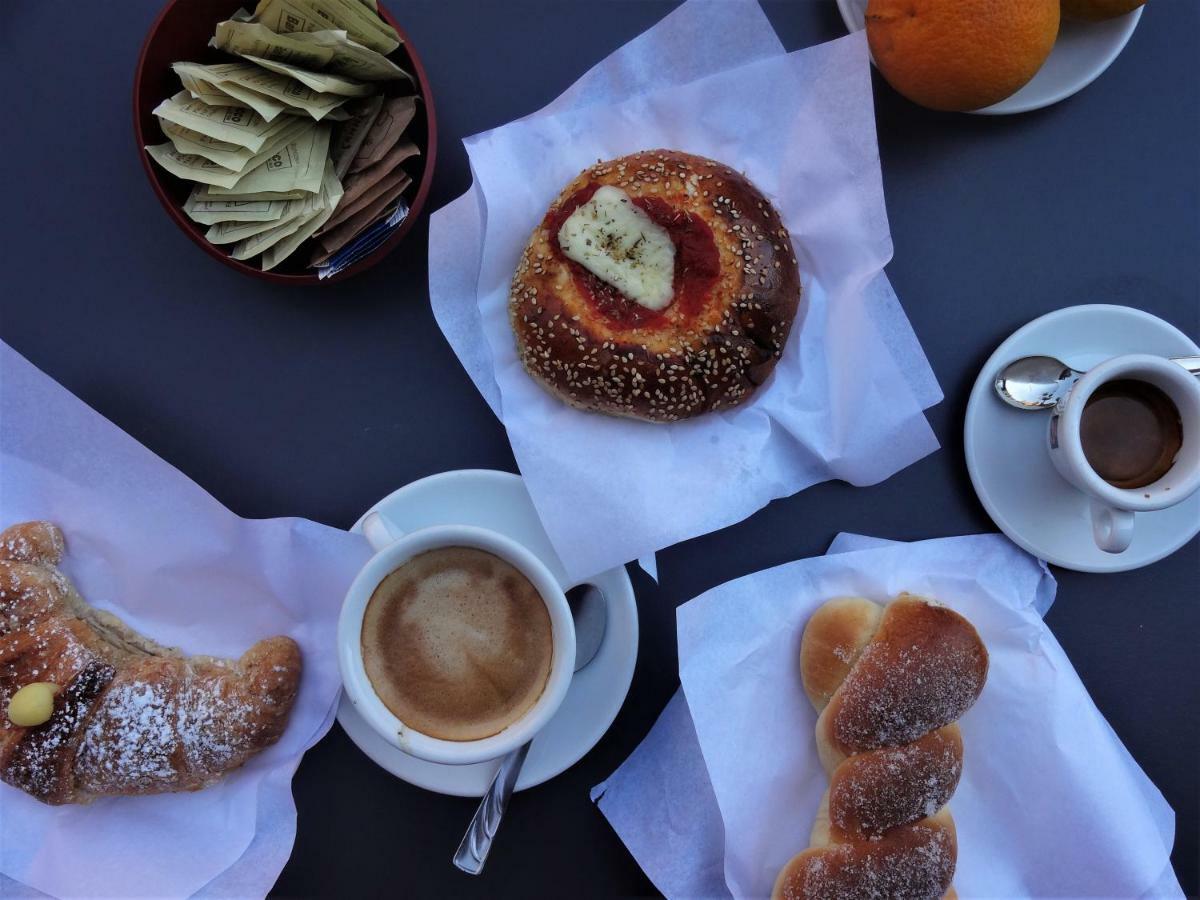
[(889, 684), (129, 716)]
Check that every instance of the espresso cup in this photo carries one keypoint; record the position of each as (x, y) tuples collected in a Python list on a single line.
[(1113, 508), (393, 550)]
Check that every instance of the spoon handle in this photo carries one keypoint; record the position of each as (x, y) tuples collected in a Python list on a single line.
[(472, 853), (1191, 363)]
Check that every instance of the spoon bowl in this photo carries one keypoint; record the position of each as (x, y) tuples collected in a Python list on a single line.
[(1035, 382), (589, 610)]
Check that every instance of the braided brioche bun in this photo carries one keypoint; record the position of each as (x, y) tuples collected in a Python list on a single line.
[(699, 292), (889, 684)]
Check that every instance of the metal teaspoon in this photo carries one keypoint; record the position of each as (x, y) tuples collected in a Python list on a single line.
[(1039, 382), (589, 610)]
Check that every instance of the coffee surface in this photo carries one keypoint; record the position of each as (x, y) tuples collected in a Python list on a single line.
[(1131, 433), (457, 643)]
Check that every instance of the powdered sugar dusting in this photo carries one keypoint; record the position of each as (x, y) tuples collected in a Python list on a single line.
[(924, 669), (882, 789), (40, 764), (52, 653), (39, 542), (130, 740), (218, 727), (911, 863), (166, 729), (28, 593)]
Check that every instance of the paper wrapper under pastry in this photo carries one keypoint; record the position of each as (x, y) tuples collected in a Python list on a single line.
[(845, 400), (210, 583)]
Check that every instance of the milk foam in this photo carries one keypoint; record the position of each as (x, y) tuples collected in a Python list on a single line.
[(457, 643)]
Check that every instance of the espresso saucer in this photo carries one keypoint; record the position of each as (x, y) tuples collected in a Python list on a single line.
[(1006, 448), (499, 501)]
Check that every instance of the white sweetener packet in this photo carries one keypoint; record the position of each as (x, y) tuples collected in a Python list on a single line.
[(847, 398), (147, 543), (724, 789)]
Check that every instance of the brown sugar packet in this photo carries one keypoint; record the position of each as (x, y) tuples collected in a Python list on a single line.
[(336, 238), (348, 136), (358, 184), (385, 184), (389, 125)]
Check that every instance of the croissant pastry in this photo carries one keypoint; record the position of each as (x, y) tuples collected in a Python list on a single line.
[(890, 684), (129, 716)]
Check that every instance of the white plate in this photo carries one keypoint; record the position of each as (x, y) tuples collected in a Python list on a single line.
[(499, 501), (1006, 448), (1081, 53)]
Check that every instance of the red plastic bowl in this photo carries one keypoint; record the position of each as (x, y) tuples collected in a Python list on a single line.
[(181, 32)]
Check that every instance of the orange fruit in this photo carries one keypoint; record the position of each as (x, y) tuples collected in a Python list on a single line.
[(960, 54), (1095, 10)]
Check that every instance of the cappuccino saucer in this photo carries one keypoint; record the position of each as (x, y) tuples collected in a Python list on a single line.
[(499, 501), (1009, 462)]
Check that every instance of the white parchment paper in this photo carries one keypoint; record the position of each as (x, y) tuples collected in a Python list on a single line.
[(1050, 803), (845, 401), (150, 545)]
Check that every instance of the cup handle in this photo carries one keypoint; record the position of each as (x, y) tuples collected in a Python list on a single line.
[(380, 532), (1112, 528)]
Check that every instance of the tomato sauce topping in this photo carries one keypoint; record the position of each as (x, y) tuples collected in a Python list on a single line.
[(697, 264)]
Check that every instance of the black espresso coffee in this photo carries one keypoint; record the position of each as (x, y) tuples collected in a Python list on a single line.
[(1131, 433), (457, 643)]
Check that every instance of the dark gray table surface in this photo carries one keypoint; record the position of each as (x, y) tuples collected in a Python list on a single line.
[(315, 403)]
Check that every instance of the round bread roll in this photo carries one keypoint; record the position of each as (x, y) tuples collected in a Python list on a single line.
[(658, 286)]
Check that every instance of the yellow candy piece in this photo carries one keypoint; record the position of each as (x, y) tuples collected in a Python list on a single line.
[(32, 704)]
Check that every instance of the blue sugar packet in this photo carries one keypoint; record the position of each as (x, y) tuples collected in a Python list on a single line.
[(365, 242)]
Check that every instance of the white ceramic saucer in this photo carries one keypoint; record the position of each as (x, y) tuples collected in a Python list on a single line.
[(499, 501), (1081, 53), (1010, 465)]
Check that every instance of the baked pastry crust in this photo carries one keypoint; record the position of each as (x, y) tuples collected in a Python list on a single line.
[(131, 716), (711, 347)]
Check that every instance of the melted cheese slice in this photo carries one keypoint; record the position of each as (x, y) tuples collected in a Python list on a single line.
[(616, 241)]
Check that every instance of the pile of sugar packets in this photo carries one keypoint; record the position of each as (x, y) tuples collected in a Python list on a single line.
[(296, 141)]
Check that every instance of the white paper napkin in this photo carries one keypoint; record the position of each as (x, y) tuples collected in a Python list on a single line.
[(845, 401), (146, 542), (1050, 803), (661, 804)]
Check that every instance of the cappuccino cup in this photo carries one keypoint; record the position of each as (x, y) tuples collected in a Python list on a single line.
[(1127, 435), (455, 643)]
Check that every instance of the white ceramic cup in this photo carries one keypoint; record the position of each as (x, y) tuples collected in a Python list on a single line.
[(394, 549), (1113, 508)]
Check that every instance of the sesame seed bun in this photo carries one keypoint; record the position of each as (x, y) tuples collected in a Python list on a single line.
[(710, 353)]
